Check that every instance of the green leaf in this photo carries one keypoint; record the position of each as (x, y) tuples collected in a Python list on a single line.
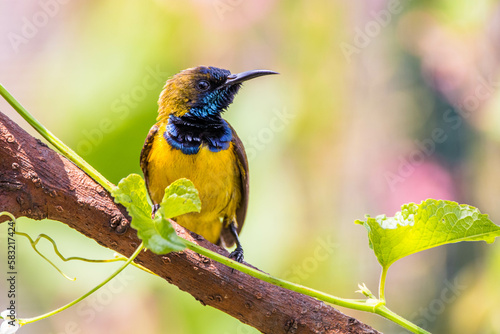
[(131, 193), (429, 224), (180, 197), (157, 234)]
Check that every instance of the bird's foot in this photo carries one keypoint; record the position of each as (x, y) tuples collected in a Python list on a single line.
[(119, 224), (237, 255)]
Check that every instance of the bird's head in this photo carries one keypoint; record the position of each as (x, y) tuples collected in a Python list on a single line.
[(202, 91)]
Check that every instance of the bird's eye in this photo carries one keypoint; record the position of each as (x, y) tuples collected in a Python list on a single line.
[(202, 85)]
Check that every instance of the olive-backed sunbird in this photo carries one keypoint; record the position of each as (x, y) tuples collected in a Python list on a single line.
[(191, 140)]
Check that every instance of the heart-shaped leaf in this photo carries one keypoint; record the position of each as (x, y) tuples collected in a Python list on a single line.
[(422, 226)]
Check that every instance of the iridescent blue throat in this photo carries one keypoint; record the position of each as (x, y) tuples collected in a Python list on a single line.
[(188, 133)]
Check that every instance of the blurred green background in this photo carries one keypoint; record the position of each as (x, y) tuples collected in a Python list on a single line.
[(379, 103)]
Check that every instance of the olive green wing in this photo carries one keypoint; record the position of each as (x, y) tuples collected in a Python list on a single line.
[(241, 155), (241, 209), (146, 150)]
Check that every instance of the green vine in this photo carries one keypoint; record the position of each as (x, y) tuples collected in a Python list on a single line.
[(34, 243), (23, 322)]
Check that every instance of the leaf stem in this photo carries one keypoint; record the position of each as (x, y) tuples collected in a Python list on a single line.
[(23, 322), (381, 286), (51, 138)]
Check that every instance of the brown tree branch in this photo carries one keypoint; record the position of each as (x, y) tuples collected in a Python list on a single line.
[(38, 183)]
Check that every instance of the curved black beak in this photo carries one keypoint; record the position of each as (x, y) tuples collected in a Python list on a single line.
[(244, 76)]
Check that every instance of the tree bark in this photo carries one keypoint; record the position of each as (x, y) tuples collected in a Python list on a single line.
[(38, 183)]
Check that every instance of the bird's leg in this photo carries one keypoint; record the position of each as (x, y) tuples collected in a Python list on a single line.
[(155, 208), (237, 254)]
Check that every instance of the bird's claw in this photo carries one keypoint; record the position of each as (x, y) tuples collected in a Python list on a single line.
[(237, 255)]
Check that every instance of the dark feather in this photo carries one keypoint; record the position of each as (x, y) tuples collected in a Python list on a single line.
[(226, 236), (146, 149)]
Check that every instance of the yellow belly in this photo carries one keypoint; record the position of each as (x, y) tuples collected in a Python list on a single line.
[(214, 174)]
